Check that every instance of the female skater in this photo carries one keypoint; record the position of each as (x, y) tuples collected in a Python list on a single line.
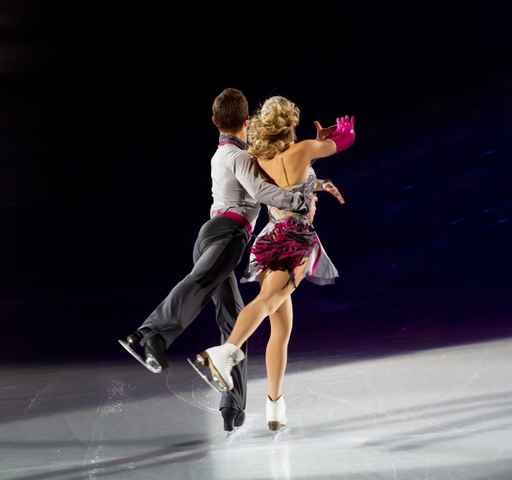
[(286, 251)]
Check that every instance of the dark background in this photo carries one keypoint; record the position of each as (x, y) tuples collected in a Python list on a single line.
[(106, 140)]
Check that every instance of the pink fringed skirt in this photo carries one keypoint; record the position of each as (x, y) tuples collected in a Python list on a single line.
[(285, 245)]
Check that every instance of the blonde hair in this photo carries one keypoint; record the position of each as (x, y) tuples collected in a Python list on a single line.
[(272, 129)]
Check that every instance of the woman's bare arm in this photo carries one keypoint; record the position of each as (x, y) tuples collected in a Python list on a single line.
[(310, 150), (329, 187)]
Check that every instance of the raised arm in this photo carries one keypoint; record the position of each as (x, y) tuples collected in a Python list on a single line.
[(315, 149), (329, 140), (248, 174), (343, 134)]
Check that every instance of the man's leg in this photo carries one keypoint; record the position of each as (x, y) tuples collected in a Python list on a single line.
[(228, 304), (214, 262)]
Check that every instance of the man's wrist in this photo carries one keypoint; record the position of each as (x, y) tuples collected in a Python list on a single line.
[(301, 205)]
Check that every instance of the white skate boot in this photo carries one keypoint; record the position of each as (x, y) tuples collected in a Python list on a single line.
[(276, 413), (214, 365)]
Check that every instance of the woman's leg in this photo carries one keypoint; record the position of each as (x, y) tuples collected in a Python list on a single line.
[(276, 356), (276, 287), (214, 365)]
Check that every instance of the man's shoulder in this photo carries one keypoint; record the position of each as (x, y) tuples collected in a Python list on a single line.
[(242, 155), (235, 159), (230, 154), (241, 159)]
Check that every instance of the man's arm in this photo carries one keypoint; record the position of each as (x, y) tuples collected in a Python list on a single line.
[(247, 173)]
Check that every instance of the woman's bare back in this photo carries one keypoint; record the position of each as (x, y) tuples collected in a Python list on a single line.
[(288, 168)]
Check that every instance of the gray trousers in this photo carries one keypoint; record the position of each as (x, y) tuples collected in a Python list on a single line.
[(217, 251)]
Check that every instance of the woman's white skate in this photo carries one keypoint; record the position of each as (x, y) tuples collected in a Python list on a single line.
[(214, 365), (276, 414)]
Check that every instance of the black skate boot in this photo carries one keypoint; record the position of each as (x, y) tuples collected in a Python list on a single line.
[(154, 348), (151, 355), (233, 417)]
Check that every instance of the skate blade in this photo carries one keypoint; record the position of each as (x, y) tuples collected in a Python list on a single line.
[(204, 377), (152, 364), (208, 372)]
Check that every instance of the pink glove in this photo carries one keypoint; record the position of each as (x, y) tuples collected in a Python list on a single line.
[(344, 135)]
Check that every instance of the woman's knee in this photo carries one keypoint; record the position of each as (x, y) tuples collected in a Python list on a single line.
[(269, 304)]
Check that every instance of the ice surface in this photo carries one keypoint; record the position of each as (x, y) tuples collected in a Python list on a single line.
[(437, 414)]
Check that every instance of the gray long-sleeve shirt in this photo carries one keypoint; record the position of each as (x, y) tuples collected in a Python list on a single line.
[(238, 186)]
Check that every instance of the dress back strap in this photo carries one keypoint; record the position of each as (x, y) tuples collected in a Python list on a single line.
[(284, 171)]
